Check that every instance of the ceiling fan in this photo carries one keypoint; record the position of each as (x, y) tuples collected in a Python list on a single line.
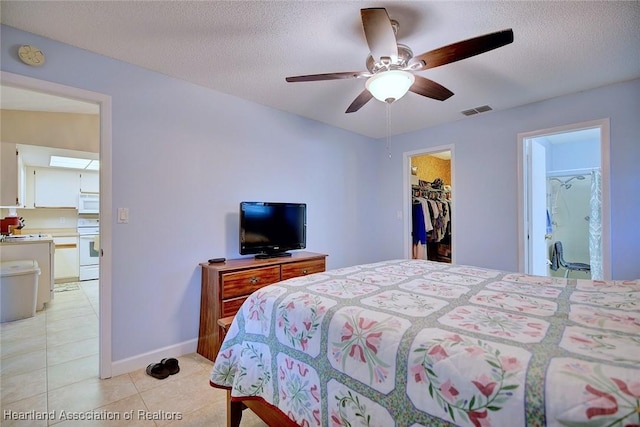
[(391, 65)]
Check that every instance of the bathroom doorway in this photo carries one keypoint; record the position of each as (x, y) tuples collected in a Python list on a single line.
[(565, 198)]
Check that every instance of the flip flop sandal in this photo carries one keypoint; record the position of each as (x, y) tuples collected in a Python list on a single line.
[(171, 365), (158, 370)]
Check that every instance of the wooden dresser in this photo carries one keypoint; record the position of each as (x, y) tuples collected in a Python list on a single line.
[(226, 285)]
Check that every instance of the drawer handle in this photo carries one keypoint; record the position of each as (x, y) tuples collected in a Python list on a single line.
[(65, 245), (305, 271), (253, 280)]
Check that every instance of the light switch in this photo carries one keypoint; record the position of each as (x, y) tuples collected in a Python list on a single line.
[(123, 215)]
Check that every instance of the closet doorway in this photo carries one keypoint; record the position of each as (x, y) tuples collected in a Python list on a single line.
[(429, 194)]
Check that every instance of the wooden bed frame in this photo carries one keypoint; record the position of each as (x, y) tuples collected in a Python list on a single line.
[(269, 414)]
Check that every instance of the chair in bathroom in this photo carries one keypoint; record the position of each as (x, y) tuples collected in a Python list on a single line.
[(569, 266)]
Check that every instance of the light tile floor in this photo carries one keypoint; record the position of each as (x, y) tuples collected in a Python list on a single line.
[(49, 367)]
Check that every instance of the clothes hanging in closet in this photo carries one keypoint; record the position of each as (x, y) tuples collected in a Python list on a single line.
[(431, 215), (440, 219)]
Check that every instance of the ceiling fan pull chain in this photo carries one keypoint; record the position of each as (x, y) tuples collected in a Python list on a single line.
[(388, 126)]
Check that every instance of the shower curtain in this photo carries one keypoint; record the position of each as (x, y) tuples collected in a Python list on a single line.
[(595, 226)]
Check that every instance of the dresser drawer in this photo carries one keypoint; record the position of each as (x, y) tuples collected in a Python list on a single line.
[(242, 283), (302, 268), (231, 306)]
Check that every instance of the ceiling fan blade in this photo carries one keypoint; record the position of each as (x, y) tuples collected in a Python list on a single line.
[(430, 89), (364, 97), (379, 33), (461, 50), (329, 76)]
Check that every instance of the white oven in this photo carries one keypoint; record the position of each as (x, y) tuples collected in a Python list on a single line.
[(89, 203), (89, 234)]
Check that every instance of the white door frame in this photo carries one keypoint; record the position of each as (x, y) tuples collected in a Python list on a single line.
[(536, 207), (523, 172), (406, 196), (104, 103)]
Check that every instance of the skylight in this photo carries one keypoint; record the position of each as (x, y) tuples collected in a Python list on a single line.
[(94, 165), (74, 163)]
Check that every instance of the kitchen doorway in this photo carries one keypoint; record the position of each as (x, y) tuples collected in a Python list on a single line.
[(564, 197), (104, 103), (429, 216)]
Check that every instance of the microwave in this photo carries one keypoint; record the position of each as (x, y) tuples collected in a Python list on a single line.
[(89, 203)]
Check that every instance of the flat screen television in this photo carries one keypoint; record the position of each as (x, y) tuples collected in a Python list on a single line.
[(270, 229)]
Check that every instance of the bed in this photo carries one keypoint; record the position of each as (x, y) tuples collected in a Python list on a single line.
[(420, 343)]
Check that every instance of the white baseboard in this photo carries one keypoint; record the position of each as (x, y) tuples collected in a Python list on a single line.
[(141, 361)]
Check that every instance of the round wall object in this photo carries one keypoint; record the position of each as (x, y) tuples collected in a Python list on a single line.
[(31, 55)]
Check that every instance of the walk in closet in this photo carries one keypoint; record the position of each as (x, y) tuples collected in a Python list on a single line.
[(431, 202)]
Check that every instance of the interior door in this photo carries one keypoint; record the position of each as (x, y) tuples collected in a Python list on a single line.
[(537, 215)]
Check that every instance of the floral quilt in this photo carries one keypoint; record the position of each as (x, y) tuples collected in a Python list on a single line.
[(418, 343)]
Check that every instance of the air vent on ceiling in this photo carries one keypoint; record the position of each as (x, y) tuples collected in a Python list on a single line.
[(477, 110)]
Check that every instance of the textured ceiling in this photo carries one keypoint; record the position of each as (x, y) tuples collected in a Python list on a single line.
[(247, 49)]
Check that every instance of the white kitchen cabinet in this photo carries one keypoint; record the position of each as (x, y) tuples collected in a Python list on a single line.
[(22, 182), (55, 188), (89, 182), (9, 187), (29, 185), (66, 259)]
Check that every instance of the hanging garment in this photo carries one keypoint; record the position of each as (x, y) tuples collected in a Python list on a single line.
[(419, 231), (425, 212), (419, 227)]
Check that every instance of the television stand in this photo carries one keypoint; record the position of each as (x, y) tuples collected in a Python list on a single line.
[(272, 255)]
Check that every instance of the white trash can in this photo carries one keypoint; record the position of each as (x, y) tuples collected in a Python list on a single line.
[(18, 289)]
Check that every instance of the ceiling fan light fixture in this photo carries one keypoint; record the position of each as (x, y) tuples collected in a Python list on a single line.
[(389, 86)]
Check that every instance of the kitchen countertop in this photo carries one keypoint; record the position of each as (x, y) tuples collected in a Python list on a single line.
[(26, 238), (35, 235), (54, 232)]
